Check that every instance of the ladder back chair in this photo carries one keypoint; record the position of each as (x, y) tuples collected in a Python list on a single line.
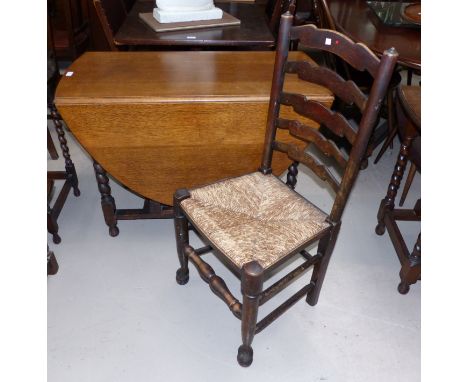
[(255, 222), (408, 102)]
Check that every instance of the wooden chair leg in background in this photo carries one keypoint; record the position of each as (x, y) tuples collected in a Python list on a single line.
[(409, 181), (409, 76), (388, 203), (52, 226), (411, 270), (251, 288), (52, 265), (391, 126)]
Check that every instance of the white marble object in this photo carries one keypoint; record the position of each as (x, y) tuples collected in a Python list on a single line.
[(172, 11)]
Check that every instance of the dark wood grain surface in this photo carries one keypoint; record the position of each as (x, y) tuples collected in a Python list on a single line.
[(253, 32), (359, 22)]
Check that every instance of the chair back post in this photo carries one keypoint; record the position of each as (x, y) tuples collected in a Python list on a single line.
[(282, 50), (366, 126), (325, 18), (111, 15)]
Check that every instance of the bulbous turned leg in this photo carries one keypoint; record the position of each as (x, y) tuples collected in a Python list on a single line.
[(107, 200), (72, 177), (182, 236), (292, 175), (388, 203), (411, 270), (251, 288)]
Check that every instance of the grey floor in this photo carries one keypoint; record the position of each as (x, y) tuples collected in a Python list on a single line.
[(115, 312)]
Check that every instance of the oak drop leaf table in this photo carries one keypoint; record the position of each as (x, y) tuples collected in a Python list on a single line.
[(159, 121)]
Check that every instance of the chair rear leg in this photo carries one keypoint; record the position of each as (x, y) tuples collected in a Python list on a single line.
[(411, 269), (409, 181), (251, 287), (325, 248), (182, 236), (52, 226), (392, 128)]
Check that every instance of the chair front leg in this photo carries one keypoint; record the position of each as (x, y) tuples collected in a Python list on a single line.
[(388, 203), (251, 287), (182, 236), (325, 249), (411, 269)]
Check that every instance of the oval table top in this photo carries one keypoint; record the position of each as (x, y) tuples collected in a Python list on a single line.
[(359, 22), (159, 121)]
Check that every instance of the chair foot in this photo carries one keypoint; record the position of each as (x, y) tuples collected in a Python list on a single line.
[(403, 288), (56, 238), (52, 264), (245, 355), (364, 164), (311, 301), (76, 191), (114, 231), (380, 229), (182, 277)]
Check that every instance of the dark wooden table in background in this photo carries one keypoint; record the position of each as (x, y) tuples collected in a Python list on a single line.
[(359, 22), (252, 33)]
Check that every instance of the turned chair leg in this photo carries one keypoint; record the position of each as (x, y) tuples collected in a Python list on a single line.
[(52, 226), (291, 178), (388, 203), (107, 200), (409, 181), (182, 236), (411, 269), (325, 249), (72, 177), (251, 287)]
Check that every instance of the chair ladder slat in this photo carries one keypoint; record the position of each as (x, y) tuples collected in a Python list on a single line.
[(309, 134), (297, 154), (348, 91), (334, 121), (356, 54)]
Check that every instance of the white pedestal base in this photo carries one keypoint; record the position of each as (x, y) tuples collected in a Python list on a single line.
[(178, 16)]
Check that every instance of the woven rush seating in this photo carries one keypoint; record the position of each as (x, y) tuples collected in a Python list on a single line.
[(254, 217)]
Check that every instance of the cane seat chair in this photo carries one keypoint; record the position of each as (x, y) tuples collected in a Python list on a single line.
[(255, 222)]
